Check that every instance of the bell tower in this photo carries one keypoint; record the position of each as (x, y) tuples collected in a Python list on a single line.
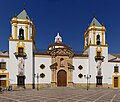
[(95, 34), (22, 27), (21, 49), (97, 49)]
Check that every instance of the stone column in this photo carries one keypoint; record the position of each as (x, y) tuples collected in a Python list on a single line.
[(70, 76), (26, 28), (15, 30), (94, 37), (103, 38), (53, 70)]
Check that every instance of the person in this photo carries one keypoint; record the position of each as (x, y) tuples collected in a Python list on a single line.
[(10, 88), (0, 89)]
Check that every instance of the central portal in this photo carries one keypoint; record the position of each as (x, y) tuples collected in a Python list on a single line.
[(62, 78)]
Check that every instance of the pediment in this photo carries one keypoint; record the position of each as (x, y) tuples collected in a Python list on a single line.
[(62, 52)]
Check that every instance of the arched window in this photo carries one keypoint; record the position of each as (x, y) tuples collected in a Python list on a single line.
[(98, 39), (21, 34)]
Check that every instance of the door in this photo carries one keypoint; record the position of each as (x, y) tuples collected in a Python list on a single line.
[(115, 82), (20, 80), (3, 82), (62, 78), (99, 80)]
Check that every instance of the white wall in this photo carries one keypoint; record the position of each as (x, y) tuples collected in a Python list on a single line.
[(93, 63), (47, 71), (110, 71), (13, 62), (83, 62)]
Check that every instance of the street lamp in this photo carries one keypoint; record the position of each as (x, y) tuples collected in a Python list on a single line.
[(0, 86), (87, 77), (37, 81)]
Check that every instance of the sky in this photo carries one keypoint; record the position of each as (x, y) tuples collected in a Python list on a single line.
[(68, 17)]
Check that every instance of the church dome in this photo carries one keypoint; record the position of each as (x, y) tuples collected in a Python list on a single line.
[(58, 43)]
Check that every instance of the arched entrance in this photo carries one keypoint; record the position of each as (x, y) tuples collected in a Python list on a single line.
[(62, 78)]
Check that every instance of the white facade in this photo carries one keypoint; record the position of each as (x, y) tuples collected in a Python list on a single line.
[(39, 60), (59, 65), (76, 63)]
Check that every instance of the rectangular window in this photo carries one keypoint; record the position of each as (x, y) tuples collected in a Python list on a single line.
[(2, 65), (116, 69), (20, 51), (98, 54)]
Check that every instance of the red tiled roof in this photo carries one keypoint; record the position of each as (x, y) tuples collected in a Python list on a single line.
[(116, 55), (57, 44)]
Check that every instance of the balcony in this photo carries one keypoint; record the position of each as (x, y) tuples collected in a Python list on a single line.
[(99, 58), (20, 54)]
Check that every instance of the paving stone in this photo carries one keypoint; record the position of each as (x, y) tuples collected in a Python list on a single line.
[(61, 94)]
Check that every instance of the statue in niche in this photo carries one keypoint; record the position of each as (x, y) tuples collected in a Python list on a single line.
[(20, 66), (99, 63), (62, 62)]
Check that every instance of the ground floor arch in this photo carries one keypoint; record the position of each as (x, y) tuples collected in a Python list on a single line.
[(62, 78)]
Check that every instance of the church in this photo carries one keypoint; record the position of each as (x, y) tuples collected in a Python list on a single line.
[(59, 66)]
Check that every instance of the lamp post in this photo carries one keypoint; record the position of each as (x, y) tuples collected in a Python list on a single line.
[(37, 81), (87, 77), (0, 86)]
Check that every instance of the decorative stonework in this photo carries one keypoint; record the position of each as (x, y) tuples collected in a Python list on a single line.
[(61, 52), (99, 72), (62, 60), (21, 66)]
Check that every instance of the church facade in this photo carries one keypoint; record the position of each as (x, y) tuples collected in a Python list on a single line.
[(59, 65)]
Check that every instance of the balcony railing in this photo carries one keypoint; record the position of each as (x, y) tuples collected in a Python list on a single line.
[(99, 58), (20, 54), (1, 68)]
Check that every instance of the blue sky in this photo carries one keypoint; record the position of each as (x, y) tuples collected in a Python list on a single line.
[(68, 17)]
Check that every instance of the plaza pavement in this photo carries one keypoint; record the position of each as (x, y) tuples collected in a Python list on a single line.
[(61, 95)]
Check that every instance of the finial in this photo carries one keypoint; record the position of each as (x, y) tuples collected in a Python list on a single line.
[(58, 34), (58, 38)]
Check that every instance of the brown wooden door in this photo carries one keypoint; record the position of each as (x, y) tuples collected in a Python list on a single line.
[(62, 78), (115, 82), (2, 82)]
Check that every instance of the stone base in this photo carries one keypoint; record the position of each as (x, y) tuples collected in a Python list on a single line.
[(29, 86), (53, 84), (70, 84), (84, 85)]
